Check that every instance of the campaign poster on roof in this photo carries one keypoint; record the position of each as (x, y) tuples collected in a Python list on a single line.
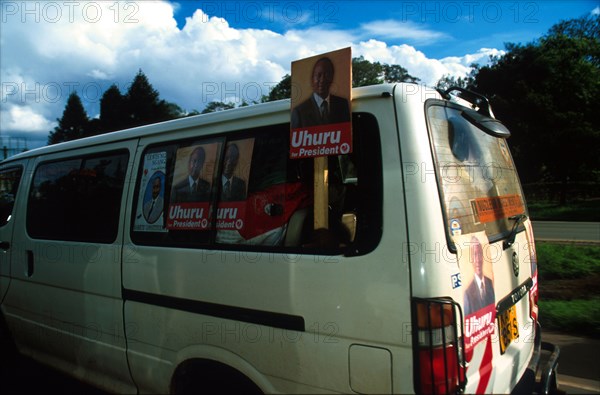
[(321, 119), (189, 206), (151, 204)]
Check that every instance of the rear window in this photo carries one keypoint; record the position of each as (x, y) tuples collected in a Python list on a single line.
[(479, 185)]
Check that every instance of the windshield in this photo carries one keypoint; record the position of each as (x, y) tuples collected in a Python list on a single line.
[(479, 185)]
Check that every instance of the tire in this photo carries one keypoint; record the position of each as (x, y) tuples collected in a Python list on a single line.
[(209, 377)]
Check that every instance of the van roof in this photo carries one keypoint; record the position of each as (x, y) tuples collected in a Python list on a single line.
[(201, 120)]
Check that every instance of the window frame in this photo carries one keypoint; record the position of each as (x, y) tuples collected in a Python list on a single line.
[(366, 240), (498, 236), (83, 158), (4, 222)]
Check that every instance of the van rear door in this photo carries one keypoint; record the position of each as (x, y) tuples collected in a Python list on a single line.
[(487, 226)]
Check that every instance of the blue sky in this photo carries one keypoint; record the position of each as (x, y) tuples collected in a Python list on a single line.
[(194, 52), (437, 28)]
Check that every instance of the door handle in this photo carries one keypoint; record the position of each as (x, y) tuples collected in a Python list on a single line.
[(4, 245), (29, 272)]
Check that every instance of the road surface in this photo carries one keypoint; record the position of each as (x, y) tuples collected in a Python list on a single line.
[(578, 369), (567, 231)]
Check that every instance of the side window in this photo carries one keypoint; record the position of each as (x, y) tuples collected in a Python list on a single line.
[(276, 191), (9, 183), (175, 192), (251, 195), (77, 199)]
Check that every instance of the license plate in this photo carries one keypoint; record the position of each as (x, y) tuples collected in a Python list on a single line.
[(508, 326)]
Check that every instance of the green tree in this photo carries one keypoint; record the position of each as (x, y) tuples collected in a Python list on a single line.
[(73, 123), (363, 73), (144, 105), (283, 90), (466, 82), (215, 106), (113, 110), (397, 73), (547, 92)]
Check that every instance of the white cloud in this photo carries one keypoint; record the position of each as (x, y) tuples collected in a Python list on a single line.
[(43, 61), (406, 30), (428, 70), (596, 11), (24, 118)]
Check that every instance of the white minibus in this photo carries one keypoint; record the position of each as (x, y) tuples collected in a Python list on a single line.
[(183, 256)]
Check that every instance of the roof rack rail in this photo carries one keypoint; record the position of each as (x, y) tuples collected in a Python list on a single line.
[(477, 101)]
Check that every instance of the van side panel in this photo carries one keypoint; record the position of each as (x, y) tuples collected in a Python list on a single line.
[(64, 305), (278, 318)]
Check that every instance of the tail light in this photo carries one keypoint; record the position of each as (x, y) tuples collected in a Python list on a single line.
[(438, 347)]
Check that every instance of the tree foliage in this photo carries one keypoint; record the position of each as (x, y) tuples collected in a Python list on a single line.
[(215, 106), (73, 123), (373, 73), (465, 82), (140, 105), (283, 90), (547, 92), (364, 73), (113, 110), (144, 106)]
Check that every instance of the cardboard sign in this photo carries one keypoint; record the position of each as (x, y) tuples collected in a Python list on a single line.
[(321, 119), (189, 207)]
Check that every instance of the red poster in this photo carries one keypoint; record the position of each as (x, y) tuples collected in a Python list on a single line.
[(325, 140), (188, 216)]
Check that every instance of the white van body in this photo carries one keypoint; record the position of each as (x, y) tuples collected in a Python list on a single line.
[(134, 304)]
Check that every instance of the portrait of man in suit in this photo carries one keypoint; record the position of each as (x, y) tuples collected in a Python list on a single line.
[(321, 107), (233, 188), (153, 208), (480, 293), (193, 188)]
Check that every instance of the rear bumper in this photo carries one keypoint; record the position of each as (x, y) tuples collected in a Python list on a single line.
[(540, 376)]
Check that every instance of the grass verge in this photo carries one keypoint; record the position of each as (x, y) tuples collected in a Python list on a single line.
[(569, 287), (567, 261), (584, 210), (581, 317)]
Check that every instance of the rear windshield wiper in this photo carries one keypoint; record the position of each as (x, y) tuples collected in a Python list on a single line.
[(513, 233)]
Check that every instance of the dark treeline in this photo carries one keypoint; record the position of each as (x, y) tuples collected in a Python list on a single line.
[(140, 105)]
